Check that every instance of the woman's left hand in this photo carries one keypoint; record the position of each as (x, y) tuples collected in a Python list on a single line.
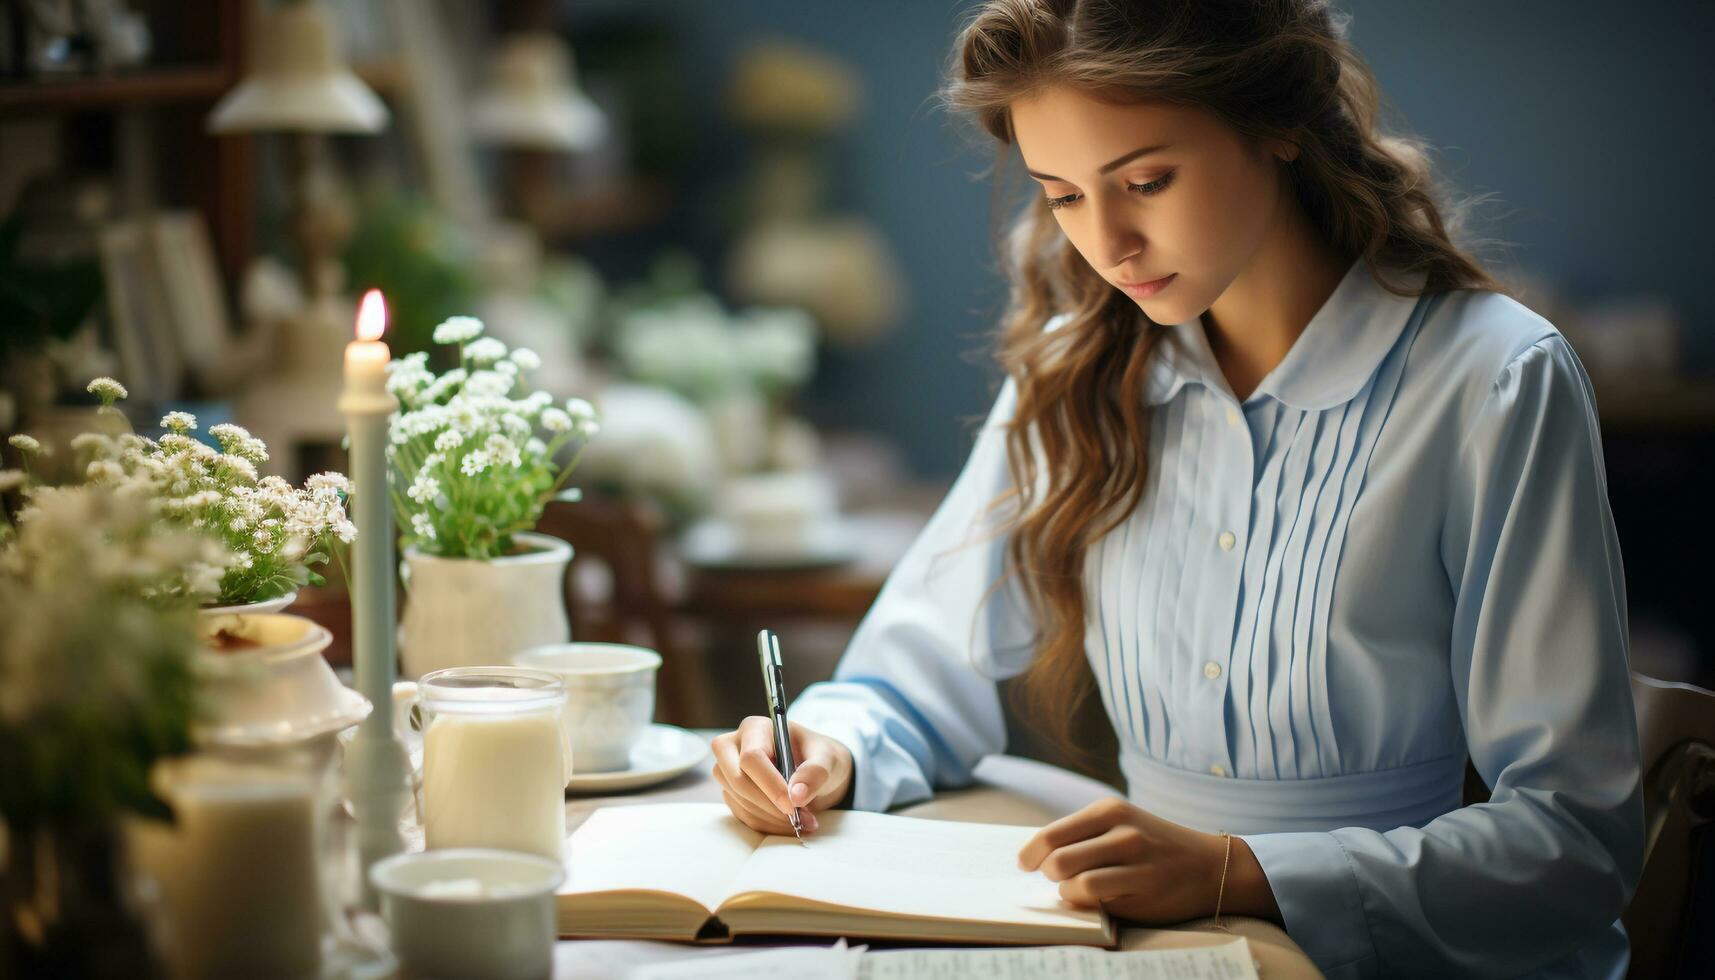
[(1134, 864)]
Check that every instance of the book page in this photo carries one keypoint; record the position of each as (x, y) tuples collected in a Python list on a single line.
[(1228, 961), (691, 849), (907, 866)]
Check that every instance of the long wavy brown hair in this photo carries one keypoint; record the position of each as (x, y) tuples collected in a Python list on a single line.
[(1077, 444)]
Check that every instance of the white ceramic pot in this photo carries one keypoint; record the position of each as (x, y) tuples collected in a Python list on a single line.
[(463, 612), (265, 606), (268, 682)]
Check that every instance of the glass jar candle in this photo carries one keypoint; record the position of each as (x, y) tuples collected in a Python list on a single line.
[(495, 758)]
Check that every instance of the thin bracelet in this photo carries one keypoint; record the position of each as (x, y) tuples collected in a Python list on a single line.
[(1222, 893)]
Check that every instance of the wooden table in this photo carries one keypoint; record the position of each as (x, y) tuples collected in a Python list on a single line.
[(1009, 790)]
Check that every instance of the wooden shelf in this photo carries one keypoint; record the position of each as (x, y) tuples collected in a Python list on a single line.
[(189, 83)]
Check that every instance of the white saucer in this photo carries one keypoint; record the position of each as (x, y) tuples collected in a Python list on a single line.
[(663, 752), (714, 543)]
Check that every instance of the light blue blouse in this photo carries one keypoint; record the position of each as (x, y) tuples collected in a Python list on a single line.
[(1396, 552)]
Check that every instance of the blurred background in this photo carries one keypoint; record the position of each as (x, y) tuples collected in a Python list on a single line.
[(745, 232)]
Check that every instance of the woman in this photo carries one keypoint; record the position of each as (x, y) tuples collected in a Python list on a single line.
[(1315, 511)]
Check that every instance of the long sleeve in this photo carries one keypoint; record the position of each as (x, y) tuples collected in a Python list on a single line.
[(915, 695), (1539, 666)]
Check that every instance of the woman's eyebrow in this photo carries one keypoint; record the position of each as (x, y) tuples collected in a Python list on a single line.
[(1111, 165)]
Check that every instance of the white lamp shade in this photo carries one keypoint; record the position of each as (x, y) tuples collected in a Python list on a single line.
[(300, 81), (532, 102)]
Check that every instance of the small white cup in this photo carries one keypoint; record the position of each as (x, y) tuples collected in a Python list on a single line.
[(610, 697), (777, 513), (470, 912)]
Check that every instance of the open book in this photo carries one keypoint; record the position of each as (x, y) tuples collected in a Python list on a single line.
[(692, 871)]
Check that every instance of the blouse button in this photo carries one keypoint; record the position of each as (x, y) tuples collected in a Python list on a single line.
[(1211, 670), (1232, 417), (1217, 770), (1227, 540)]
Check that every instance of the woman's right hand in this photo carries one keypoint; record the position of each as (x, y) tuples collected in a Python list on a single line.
[(752, 785)]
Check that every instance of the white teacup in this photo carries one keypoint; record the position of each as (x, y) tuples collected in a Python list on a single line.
[(610, 697), (777, 513), (473, 913)]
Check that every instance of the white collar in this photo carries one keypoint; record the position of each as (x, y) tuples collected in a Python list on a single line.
[(1328, 364)]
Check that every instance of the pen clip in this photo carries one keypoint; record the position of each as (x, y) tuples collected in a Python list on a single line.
[(768, 652)]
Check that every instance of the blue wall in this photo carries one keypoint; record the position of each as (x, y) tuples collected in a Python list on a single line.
[(1589, 120)]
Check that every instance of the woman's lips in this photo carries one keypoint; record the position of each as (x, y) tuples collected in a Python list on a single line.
[(1144, 290)]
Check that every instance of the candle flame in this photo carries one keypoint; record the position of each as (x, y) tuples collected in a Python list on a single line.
[(371, 316)]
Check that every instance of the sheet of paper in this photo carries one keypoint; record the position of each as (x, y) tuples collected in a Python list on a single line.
[(836, 962), (1228, 961), (693, 849), (911, 867), (639, 960)]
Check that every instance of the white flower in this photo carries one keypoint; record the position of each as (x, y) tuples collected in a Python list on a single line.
[(11, 480), (107, 389), (238, 441), (506, 368), (474, 463), (344, 530), (226, 432), (172, 442), (526, 359), (503, 450), (488, 384), (424, 488), (458, 330), (329, 481), (90, 442), (581, 410), (433, 460), (409, 373), (555, 420), (485, 351), (422, 526), (535, 447), (25, 444), (203, 578), (104, 471), (263, 538), (178, 422), (240, 466), (449, 440)]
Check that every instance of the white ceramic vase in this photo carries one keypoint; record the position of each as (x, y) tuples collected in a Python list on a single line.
[(263, 607), (465, 612)]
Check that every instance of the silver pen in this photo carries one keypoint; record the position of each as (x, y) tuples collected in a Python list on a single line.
[(768, 651)]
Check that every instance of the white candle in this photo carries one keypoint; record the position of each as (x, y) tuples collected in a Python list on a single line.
[(240, 873), (495, 780), (375, 762)]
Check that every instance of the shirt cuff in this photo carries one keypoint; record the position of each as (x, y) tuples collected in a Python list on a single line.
[(883, 776), (1316, 888)]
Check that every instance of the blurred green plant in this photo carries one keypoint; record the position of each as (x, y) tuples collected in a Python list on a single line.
[(418, 257), (96, 680), (668, 330)]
